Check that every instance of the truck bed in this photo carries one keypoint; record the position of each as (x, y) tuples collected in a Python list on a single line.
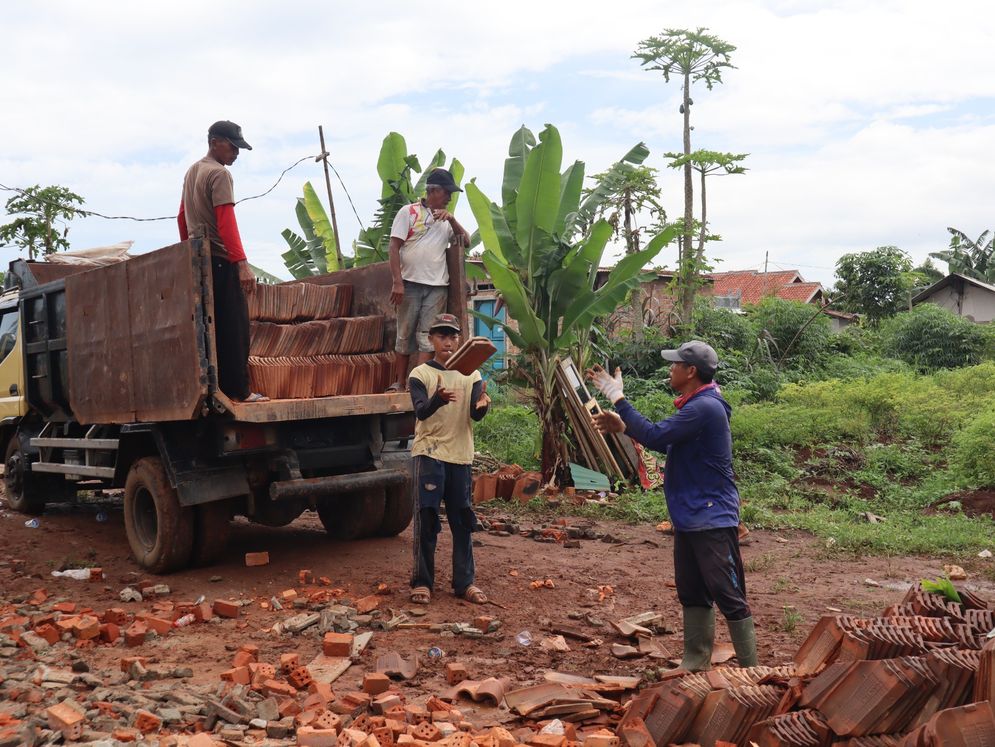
[(279, 410)]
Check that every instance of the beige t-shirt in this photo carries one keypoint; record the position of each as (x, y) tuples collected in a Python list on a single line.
[(447, 434), (424, 243), (206, 185)]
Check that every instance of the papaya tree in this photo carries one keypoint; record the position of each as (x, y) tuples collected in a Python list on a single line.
[(542, 248)]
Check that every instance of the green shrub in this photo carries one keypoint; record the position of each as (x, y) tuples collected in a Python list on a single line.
[(510, 434), (930, 337), (723, 329), (639, 358), (973, 455), (791, 330)]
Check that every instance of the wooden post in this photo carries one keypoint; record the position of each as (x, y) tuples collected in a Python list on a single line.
[(331, 202)]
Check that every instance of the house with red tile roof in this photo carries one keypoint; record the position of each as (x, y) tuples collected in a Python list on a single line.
[(744, 287)]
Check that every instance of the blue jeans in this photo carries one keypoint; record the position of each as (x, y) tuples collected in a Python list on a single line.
[(434, 482)]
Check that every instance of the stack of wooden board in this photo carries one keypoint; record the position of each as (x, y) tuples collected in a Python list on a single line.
[(612, 454), (471, 355)]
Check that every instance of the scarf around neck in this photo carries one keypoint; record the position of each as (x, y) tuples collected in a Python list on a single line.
[(683, 399)]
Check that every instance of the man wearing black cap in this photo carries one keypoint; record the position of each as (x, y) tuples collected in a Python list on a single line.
[(701, 497), (442, 456), (419, 239), (208, 209)]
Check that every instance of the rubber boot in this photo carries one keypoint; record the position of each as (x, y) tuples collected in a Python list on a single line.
[(699, 634), (744, 640)]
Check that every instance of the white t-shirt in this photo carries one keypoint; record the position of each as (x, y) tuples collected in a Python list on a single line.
[(425, 240)]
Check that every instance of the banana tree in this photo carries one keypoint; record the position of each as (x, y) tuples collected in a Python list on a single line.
[(314, 253), (396, 168), (542, 249)]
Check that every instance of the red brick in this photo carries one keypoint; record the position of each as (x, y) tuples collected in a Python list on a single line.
[(203, 612), (134, 634), (427, 732), (201, 740), (367, 603), (159, 625), (96, 574), (337, 644), (253, 559), (289, 707), (63, 717), (327, 720), (289, 662), (376, 683), (300, 677), (322, 689), (305, 577), (288, 595), (547, 740), (67, 608), (109, 633), (127, 661), (456, 672), (275, 687), (243, 659), (126, 735), (146, 722), (310, 737), (224, 608), (48, 632), (238, 675), (115, 615), (65, 624)]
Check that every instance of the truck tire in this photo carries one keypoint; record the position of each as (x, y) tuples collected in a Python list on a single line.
[(398, 510), (212, 528), (160, 530), (353, 515), (27, 492)]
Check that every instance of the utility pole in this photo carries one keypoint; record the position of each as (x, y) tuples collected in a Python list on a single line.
[(331, 202)]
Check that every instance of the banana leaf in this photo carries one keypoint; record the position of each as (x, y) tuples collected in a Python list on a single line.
[(264, 277), (437, 160), (457, 170), (571, 184), (493, 228), (298, 259), (516, 339), (392, 160), (531, 328), (538, 201), (322, 227)]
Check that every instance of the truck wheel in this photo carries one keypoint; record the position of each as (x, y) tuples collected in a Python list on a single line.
[(160, 530), (398, 510), (353, 515), (212, 528), (26, 492)]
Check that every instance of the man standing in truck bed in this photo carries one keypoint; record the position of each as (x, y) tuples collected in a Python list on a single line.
[(208, 205)]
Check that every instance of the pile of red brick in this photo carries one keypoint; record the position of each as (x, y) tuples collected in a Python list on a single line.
[(917, 676), (509, 482)]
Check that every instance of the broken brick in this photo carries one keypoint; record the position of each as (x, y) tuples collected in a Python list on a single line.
[(289, 662), (427, 732), (49, 633), (146, 721), (109, 632), (134, 634), (243, 659), (253, 559), (376, 683), (300, 677), (115, 615), (66, 719), (337, 644), (238, 675), (224, 608), (275, 687), (159, 625), (308, 736), (456, 672)]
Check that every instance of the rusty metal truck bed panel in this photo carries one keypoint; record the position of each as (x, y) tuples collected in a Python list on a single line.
[(136, 339)]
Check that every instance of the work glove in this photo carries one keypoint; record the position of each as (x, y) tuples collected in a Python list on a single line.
[(610, 386)]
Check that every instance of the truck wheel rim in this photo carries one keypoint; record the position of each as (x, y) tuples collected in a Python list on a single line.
[(14, 475), (146, 520)]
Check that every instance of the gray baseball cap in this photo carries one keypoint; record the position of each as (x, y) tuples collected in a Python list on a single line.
[(695, 353)]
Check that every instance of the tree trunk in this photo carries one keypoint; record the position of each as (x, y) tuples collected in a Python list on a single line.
[(552, 421), (686, 273), (632, 247)]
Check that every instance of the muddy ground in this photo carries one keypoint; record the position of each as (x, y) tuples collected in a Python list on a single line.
[(790, 570)]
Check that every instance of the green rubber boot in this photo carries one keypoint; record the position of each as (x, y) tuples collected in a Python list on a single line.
[(744, 640), (699, 634)]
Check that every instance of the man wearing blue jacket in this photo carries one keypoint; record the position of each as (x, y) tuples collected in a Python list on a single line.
[(701, 497)]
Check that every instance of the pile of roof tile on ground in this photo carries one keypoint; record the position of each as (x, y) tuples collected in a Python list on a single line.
[(304, 343), (923, 674)]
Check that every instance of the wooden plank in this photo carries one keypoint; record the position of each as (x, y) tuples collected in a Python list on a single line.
[(72, 469), (458, 288), (320, 407), (574, 390), (98, 331), (164, 301), (575, 417), (75, 443)]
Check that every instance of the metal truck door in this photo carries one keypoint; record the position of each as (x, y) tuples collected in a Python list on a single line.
[(12, 402)]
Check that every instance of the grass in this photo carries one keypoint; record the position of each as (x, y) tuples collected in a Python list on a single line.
[(790, 619)]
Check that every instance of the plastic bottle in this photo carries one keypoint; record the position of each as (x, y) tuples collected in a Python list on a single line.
[(101, 516), (184, 621), (524, 638), (436, 653), (32, 523)]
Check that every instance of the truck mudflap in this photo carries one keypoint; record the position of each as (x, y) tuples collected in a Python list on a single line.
[(315, 487)]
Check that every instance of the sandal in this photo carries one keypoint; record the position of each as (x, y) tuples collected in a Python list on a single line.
[(256, 397), (421, 595), (395, 387), (474, 595)]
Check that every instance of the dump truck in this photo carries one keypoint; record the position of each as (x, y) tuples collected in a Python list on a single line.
[(109, 377)]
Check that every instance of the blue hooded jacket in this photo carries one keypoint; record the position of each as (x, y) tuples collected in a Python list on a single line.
[(698, 479)]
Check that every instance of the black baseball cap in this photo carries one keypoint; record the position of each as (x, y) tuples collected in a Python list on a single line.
[(695, 353), (230, 132), (445, 321), (442, 178)]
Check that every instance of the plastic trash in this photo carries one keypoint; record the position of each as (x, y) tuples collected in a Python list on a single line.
[(184, 621), (80, 574), (32, 523), (524, 638), (200, 599), (101, 516), (436, 653)]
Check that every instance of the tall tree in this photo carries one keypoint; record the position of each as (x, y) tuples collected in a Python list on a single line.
[(694, 56), (40, 212), (633, 190), (875, 283), (972, 257)]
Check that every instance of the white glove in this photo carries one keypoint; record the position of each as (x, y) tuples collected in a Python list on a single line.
[(610, 386)]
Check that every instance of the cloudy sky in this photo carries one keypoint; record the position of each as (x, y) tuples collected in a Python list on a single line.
[(867, 123)]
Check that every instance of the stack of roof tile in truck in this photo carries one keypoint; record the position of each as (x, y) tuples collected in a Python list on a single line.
[(304, 343)]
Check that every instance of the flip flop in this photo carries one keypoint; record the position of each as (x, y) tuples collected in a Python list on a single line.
[(474, 595), (395, 387), (421, 595), (256, 397)]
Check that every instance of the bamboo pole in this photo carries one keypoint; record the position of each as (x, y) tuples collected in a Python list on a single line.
[(331, 202)]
